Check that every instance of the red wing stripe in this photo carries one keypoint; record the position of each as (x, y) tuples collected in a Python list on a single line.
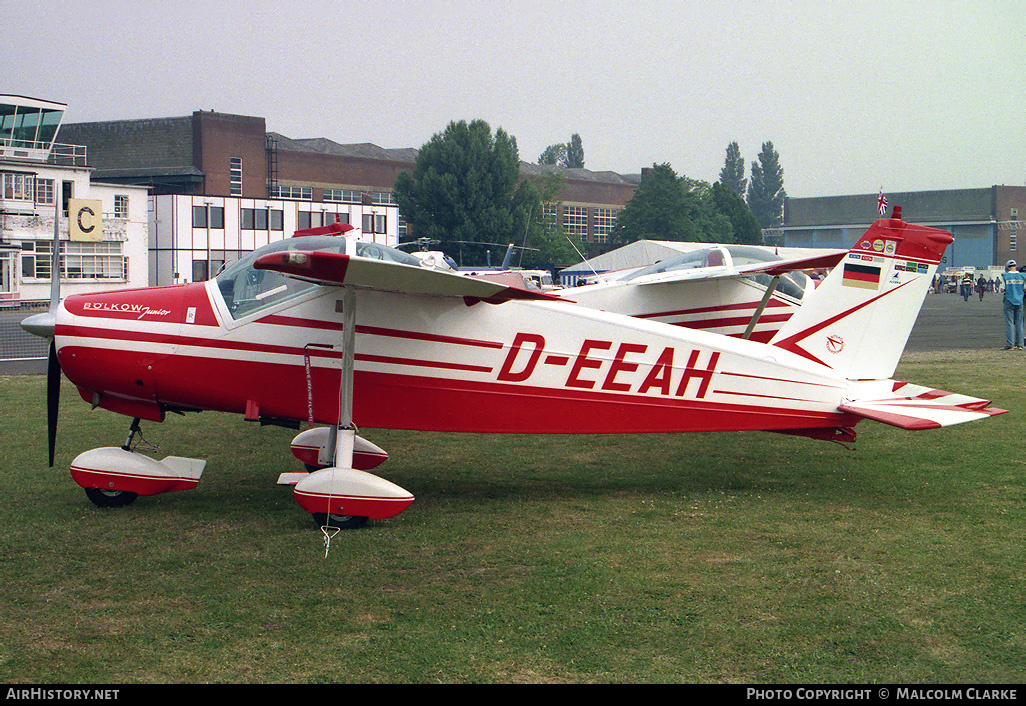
[(736, 321)]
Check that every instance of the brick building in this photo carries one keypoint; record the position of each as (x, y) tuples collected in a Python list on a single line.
[(222, 186), (230, 163)]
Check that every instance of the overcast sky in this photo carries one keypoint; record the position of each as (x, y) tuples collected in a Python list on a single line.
[(855, 96)]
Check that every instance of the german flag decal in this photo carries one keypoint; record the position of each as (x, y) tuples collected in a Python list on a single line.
[(862, 276)]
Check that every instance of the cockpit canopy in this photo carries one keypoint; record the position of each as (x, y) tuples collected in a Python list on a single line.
[(246, 289), (791, 284)]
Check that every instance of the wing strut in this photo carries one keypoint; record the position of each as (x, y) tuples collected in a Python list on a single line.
[(342, 442), (340, 495), (762, 306)]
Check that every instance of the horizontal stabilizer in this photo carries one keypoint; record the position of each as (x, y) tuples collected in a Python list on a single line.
[(336, 269), (915, 407)]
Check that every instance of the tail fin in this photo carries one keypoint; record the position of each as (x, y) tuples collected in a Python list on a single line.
[(857, 321)]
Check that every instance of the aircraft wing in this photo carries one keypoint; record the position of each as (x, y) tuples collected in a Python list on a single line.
[(829, 258), (336, 269), (916, 407)]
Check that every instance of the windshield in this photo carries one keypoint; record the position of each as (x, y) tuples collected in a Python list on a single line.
[(246, 289), (792, 284)]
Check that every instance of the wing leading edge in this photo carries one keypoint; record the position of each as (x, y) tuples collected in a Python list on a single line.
[(336, 269)]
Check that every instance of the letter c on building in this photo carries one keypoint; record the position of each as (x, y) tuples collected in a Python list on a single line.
[(81, 226)]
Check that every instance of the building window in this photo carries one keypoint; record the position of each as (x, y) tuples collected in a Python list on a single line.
[(605, 222), (19, 187), (44, 192), (548, 217), (262, 219), (235, 172), (309, 219), (292, 192), (342, 195), (575, 221), (82, 260), (316, 219), (208, 217), (120, 206), (373, 223)]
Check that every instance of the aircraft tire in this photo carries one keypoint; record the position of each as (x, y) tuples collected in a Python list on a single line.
[(110, 498), (322, 519)]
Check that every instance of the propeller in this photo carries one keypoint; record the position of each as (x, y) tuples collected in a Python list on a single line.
[(43, 325), (53, 397)]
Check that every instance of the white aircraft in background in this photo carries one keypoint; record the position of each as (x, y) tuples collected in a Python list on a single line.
[(735, 290)]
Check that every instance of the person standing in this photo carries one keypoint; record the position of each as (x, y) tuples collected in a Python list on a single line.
[(1013, 283), (981, 286)]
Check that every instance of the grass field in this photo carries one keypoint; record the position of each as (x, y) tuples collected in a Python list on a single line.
[(746, 557)]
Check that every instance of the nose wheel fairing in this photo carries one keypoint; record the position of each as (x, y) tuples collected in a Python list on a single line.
[(114, 469)]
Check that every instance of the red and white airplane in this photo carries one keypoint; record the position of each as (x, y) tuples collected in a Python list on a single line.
[(330, 330)]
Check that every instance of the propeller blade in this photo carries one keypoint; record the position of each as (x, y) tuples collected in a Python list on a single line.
[(53, 396)]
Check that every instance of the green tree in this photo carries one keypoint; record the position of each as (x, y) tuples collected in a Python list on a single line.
[(568, 155), (668, 207), (732, 175), (743, 224), (546, 242), (553, 154), (465, 191), (575, 152), (766, 189)]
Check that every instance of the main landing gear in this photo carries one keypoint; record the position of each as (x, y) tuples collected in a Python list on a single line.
[(336, 497)]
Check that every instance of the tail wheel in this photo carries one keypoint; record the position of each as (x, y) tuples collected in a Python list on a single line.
[(103, 497), (322, 519)]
